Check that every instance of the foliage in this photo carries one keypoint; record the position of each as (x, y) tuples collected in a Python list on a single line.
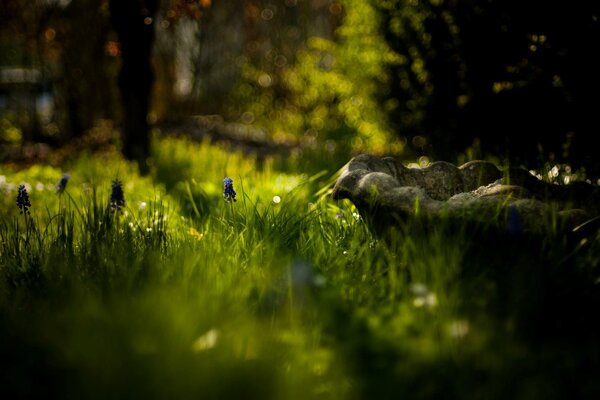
[(505, 76), (328, 95), (183, 294), (433, 77)]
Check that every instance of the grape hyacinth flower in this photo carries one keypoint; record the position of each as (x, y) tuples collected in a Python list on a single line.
[(228, 192), (23, 200), (515, 225), (62, 184), (117, 198)]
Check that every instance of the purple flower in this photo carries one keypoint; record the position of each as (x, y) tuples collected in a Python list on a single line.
[(515, 225), (62, 184), (23, 200), (117, 198), (228, 192)]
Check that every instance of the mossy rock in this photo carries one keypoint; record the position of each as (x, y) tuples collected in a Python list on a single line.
[(386, 192)]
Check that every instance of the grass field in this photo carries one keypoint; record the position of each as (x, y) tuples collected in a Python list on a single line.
[(283, 294)]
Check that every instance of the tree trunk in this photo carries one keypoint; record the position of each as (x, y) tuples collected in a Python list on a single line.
[(133, 21)]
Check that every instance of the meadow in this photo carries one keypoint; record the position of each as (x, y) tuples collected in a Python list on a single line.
[(281, 294)]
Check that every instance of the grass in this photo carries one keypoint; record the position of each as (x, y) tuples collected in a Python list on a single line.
[(183, 295)]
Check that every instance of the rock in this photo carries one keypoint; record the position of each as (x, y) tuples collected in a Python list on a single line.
[(386, 192)]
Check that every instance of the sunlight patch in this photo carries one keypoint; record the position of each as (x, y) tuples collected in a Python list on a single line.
[(207, 341)]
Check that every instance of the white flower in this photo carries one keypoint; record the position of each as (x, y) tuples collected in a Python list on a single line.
[(422, 296), (458, 329)]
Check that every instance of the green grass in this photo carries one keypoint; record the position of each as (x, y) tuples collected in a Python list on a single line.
[(182, 295)]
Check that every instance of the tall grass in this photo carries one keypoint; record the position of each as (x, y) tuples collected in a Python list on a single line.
[(182, 294)]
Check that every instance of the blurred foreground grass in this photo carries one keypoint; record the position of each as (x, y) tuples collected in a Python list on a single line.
[(283, 294)]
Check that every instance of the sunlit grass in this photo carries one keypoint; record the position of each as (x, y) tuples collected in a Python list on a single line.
[(182, 294)]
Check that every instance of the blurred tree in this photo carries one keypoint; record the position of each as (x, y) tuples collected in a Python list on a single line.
[(85, 73), (23, 61), (133, 23), (315, 80), (515, 79), (64, 42), (208, 40)]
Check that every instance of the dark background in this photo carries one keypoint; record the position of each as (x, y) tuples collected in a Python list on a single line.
[(516, 81)]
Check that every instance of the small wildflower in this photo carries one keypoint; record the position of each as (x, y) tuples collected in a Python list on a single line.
[(276, 199), (62, 184), (228, 192), (195, 234), (117, 198), (419, 290), (319, 280), (23, 200), (422, 296), (459, 329)]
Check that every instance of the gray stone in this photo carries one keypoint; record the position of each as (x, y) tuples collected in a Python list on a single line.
[(386, 192)]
